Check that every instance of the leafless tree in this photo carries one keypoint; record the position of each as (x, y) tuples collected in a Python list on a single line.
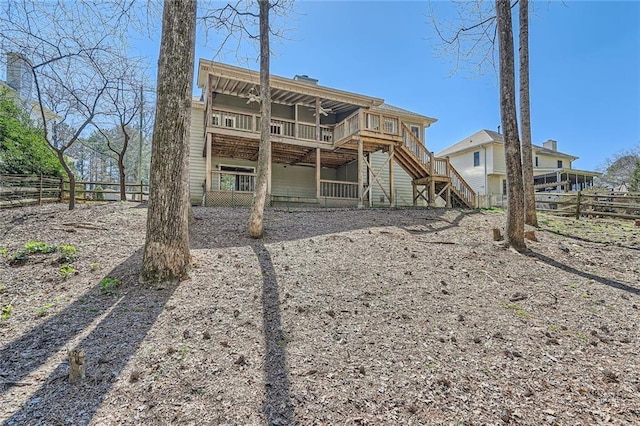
[(123, 103), (68, 49), (166, 251), (530, 216), (620, 167), (515, 196), (256, 227)]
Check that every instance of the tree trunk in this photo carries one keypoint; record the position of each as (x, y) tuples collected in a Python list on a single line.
[(530, 216), (166, 250), (256, 227), (121, 154), (72, 180), (515, 193)]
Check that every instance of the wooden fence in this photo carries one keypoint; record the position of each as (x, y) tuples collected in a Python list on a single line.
[(590, 204), (27, 190)]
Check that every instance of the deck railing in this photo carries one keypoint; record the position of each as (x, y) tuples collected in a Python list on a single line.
[(346, 127), (338, 189), (232, 181), (438, 166)]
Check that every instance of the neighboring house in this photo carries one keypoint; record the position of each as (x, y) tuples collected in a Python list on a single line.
[(480, 160), (329, 147), (19, 84)]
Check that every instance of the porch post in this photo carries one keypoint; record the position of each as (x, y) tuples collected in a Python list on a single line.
[(318, 119), (360, 171), (392, 185), (432, 192), (207, 180), (269, 167), (415, 194), (318, 173)]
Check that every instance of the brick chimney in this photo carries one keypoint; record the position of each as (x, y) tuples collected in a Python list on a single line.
[(551, 144), (305, 79)]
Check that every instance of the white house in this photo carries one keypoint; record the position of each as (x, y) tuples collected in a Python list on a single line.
[(480, 160)]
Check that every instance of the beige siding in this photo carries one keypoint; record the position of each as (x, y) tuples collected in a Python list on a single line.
[(551, 161), (403, 188), (495, 184), (294, 181), (197, 161)]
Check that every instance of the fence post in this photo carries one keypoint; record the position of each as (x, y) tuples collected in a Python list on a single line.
[(578, 205), (40, 192), (141, 192), (62, 190)]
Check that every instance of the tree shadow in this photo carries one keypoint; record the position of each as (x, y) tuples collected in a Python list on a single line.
[(278, 408), (281, 225), (588, 240), (606, 281), (127, 318)]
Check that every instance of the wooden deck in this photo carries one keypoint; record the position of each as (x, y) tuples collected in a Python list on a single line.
[(234, 134)]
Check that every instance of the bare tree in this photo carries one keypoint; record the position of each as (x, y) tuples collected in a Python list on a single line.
[(256, 227), (619, 168), (166, 250), (530, 216), (123, 102), (68, 50), (515, 196)]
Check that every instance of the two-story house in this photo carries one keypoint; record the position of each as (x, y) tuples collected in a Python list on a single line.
[(479, 158), (329, 147)]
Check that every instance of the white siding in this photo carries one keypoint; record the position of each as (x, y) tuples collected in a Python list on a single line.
[(197, 168), (474, 176)]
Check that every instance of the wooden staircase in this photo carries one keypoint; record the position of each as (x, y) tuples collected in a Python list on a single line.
[(436, 176)]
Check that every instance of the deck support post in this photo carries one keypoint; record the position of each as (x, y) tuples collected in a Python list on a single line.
[(318, 119), (415, 194), (360, 172), (391, 175), (269, 167), (318, 174), (432, 192), (448, 195), (207, 179)]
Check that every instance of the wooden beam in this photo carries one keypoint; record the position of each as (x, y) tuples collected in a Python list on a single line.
[(318, 119), (392, 156), (269, 163), (318, 165), (360, 171), (207, 180)]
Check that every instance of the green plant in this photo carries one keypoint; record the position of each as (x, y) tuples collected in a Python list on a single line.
[(33, 247), (109, 285), (2, 288), (518, 310), (4, 252), (5, 312), (95, 266), (66, 270), (68, 252), (43, 311)]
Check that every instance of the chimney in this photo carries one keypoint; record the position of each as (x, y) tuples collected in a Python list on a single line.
[(305, 79), (18, 75), (551, 144)]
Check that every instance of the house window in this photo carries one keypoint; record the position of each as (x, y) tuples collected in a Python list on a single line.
[(236, 179), (504, 187), (215, 120), (476, 159), (416, 131), (537, 162), (559, 164)]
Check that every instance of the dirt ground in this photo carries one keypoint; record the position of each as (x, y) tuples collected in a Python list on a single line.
[(337, 317)]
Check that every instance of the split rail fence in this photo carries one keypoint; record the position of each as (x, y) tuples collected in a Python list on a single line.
[(590, 204), (28, 190)]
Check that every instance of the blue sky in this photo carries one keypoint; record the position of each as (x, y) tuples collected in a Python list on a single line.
[(585, 68)]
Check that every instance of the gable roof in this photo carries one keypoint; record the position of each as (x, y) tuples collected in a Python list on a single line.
[(401, 111), (484, 137)]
